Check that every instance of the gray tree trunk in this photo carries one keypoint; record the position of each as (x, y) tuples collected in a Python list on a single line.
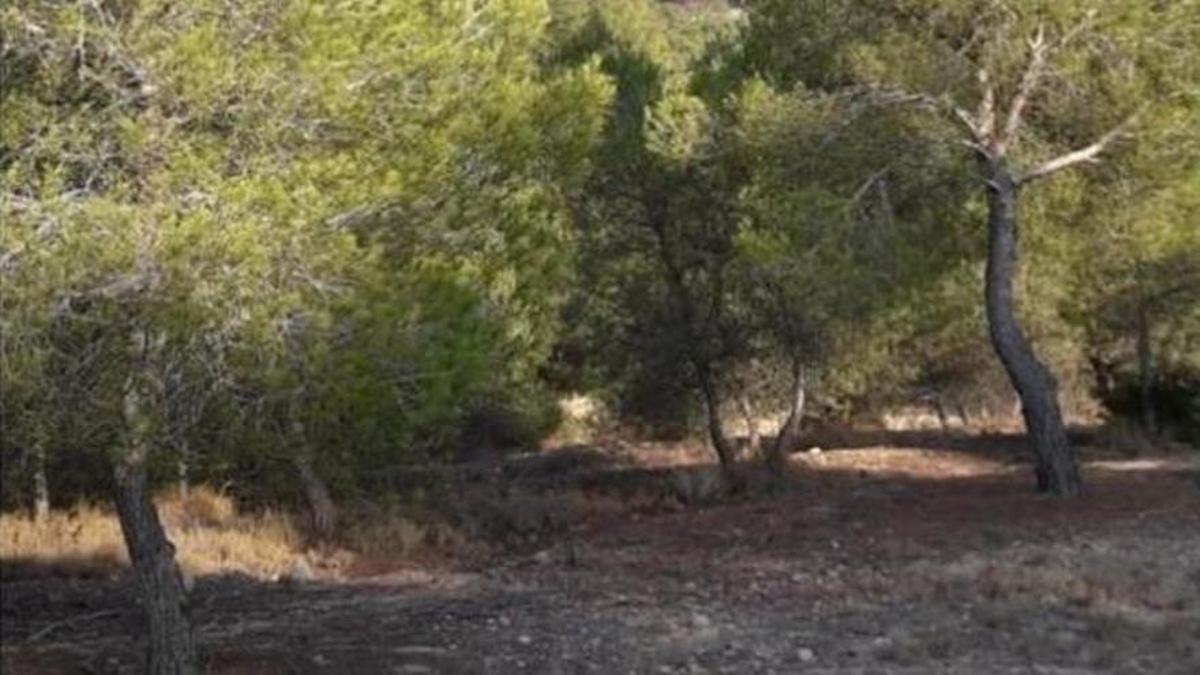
[(1056, 470), (939, 409), (182, 470), (789, 433), (172, 647), (753, 437), (716, 430), (962, 413), (320, 503), (41, 487), (1146, 372)]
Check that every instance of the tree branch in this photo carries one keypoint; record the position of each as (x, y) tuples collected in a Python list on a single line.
[(986, 117), (1029, 82), (972, 125), (1083, 155), (871, 180)]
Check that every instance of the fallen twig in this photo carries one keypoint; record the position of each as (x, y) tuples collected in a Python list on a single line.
[(68, 621)]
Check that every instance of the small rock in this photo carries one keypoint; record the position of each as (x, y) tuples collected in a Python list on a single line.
[(814, 450), (542, 557), (298, 573), (805, 654), (701, 621), (525, 639)]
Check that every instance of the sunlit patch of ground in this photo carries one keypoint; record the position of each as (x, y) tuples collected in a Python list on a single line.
[(917, 463)]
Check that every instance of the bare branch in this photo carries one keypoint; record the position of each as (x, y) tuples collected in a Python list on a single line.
[(1087, 154), (871, 180), (986, 117), (971, 124), (1029, 82), (1077, 28)]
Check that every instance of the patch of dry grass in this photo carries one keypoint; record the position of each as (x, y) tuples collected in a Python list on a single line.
[(81, 542), (210, 535)]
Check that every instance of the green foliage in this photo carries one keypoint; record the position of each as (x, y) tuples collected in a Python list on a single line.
[(354, 217)]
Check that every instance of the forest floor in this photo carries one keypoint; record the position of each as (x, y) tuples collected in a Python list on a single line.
[(926, 554)]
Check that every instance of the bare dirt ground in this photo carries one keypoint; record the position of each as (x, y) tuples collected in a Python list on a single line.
[(935, 558)]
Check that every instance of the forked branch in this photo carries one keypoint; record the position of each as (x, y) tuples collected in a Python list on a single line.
[(1038, 48)]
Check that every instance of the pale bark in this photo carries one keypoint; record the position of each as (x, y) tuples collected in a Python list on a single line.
[(182, 470), (321, 503), (41, 486), (789, 433), (753, 437)]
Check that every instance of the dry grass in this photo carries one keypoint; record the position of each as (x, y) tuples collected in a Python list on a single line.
[(82, 542), (209, 534), (213, 537)]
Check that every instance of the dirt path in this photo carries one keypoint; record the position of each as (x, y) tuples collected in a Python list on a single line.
[(879, 561)]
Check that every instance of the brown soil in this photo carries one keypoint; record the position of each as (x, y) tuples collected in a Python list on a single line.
[(930, 559)]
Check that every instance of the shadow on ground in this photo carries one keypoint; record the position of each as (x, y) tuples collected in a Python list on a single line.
[(933, 558)]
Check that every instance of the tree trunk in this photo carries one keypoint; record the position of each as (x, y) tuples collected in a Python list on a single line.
[(181, 475), (753, 437), (716, 431), (962, 413), (1146, 372), (1056, 470), (789, 433), (939, 409), (172, 647), (41, 487), (324, 512)]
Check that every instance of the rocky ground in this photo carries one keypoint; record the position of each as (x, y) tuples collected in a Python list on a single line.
[(935, 559)]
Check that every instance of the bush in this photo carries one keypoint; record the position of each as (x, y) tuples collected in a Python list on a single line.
[(1175, 396), (496, 425)]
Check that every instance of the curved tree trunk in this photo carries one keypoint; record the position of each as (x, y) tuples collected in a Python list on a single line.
[(172, 647), (789, 433), (1056, 469), (716, 431)]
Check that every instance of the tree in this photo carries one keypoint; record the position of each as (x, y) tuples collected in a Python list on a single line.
[(654, 301), (996, 130), (932, 54)]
